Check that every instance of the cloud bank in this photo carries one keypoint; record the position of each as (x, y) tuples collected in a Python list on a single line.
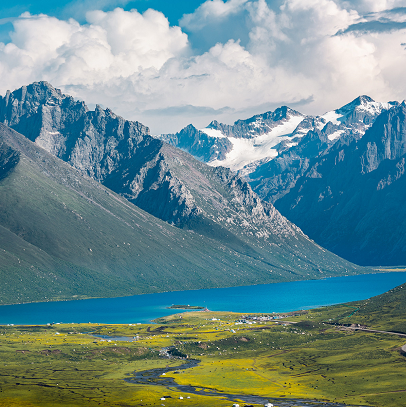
[(312, 54)]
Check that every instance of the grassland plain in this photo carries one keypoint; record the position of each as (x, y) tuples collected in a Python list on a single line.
[(298, 356)]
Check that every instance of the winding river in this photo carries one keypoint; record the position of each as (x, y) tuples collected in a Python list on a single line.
[(156, 377)]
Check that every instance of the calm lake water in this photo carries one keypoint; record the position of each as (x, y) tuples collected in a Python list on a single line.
[(259, 298)]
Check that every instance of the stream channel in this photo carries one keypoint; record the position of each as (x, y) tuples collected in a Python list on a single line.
[(154, 377)]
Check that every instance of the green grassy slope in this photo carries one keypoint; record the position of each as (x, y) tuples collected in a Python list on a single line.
[(384, 312), (64, 235)]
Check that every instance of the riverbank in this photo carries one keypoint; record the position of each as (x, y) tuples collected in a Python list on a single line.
[(157, 377)]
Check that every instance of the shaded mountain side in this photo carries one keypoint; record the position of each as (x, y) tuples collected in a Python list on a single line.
[(351, 198), (9, 158), (274, 179), (64, 235)]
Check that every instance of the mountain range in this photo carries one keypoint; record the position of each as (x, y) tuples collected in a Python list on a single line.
[(339, 176), (93, 205), (352, 196)]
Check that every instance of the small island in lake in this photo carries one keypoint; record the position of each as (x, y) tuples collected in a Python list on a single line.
[(177, 306)]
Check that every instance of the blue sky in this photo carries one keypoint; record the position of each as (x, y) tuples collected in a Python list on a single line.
[(173, 10), (171, 63)]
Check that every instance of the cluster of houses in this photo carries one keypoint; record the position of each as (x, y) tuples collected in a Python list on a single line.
[(262, 318), (252, 319)]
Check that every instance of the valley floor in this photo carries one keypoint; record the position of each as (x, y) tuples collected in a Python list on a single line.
[(299, 356)]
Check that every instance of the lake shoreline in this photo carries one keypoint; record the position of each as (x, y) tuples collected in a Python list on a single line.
[(264, 298), (87, 298)]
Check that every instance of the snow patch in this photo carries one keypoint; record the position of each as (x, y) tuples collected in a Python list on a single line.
[(333, 117), (213, 133), (246, 151), (289, 145), (335, 135)]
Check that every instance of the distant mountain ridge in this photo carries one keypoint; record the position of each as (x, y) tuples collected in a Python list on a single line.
[(273, 149), (273, 179), (256, 125), (239, 238), (245, 142)]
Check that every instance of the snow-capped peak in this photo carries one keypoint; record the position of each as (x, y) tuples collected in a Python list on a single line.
[(247, 150), (362, 105)]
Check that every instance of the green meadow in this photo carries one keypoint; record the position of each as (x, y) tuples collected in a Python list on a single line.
[(312, 355)]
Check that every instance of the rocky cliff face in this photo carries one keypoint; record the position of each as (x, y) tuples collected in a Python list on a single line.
[(205, 147), (350, 198), (67, 129), (116, 152), (387, 141)]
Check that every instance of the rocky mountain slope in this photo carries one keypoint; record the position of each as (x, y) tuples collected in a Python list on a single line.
[(120, 154), (225, 234), (351, 197)]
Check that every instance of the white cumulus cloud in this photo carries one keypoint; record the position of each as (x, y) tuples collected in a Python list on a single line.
[(368, 6), (309, 54), (212, 9), (111, 45)]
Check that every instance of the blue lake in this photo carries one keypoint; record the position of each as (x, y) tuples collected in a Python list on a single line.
[(265, 298)]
